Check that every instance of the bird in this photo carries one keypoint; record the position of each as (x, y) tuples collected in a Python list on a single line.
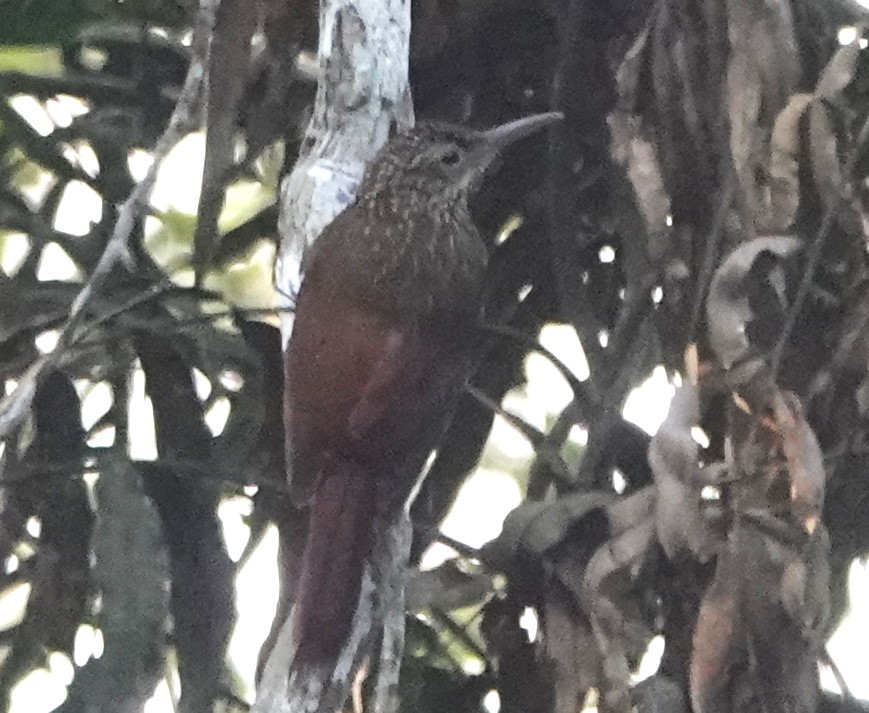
[(385, 334)]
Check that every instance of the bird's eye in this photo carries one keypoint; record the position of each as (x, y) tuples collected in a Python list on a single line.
[(450, 157)]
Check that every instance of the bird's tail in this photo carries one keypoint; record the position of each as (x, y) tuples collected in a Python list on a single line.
[(342, 511)]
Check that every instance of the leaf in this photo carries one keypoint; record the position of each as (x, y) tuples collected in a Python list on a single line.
[(202, 602), (638, 155), (535, 528), (769, 596), (745, 95), (62, 579), (830, 181), (839, 72), (763, 71), (570, 650), (659, 694), (606, 589), (805, 461), (827, 167), (716, 635), (619, 558), (131, 573), (170, 243), (805, 587), (674, 458), (447, 588), (49, 487), (41, 60), (784, 180), (229, 58), (632, 67), (785, 660), (727, 306)]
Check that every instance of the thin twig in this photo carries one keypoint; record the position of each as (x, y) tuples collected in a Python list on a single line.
[(464, 549), (609, 410), (538, 439), (540, 471), (153, 292), (15, 407), (837, 673), (459, 632), (583, 391), (532, 434), (710, 253)]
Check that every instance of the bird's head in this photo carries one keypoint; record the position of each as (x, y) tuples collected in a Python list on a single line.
[(442, 160)]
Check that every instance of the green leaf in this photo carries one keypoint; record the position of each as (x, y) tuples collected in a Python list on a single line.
[(41, 60)]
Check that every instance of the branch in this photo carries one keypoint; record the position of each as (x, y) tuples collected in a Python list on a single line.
[(15, 407)]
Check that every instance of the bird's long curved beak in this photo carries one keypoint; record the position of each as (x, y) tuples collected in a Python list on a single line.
[(500, 136), (491, 142)]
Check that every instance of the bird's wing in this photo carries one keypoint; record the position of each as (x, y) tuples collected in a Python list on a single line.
[(347, 368)]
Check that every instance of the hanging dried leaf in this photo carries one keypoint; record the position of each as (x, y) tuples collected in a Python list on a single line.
[(745, 94), (830, 182), (768, 602), (633, 65), (715, 636), (784, 166), (570, 649), (616, 622), (763, 71), (608, 584), (747, 615), (610, 574), (637, 155), (804, 460), (673, 456), (688, 62), (839, 72), (728, 308), (535, 528), (826, 115), (805, 587), (784, 659)]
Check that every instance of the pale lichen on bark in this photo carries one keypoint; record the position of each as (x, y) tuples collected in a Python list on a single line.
[(363, 91)]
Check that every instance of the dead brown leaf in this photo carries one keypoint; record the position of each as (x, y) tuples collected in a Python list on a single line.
[(785, 148)]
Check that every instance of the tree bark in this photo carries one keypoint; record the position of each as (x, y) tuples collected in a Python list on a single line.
[(363, 93)]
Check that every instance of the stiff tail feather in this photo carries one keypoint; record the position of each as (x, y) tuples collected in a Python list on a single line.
[(342, 511)]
